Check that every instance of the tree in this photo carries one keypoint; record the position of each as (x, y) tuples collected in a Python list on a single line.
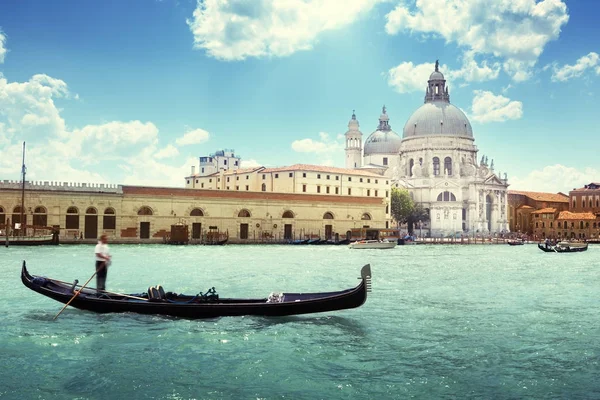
[(402, 205), (418, 214)]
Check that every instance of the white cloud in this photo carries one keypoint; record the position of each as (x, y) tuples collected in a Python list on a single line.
[(112, 152), (324, 145), (237, 29), (554, 178), (488, 107), (514, 31), (168, 152), (567, 72), (193, 137), (27, 109), (250, 164), (407, 77), (2, 46)]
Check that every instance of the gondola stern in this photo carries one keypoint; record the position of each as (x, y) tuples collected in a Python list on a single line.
[(365, 275)]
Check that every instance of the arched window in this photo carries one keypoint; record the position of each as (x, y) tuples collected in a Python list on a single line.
[(587, 224), (109, 220), (2, 216), (39, 216), (436, 166), (288, 214), (583, 203), (448, 165), (365, 217), (244, 213), (72, 219), (263, 187), (196, 212), (145, 210), (328, 215), (580, 224), (446, 196), (91, 210)]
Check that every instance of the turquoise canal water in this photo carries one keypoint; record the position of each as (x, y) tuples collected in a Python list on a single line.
[(442, 322)]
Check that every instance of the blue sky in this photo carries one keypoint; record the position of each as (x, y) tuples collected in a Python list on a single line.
[(134, 91)]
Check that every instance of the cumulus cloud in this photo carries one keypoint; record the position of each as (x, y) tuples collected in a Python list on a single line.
[(237, 29), (167, 152), (195, 136), (567, 72), (250, 163), (2, 46), (488, 107), (323, 145), (91, 153), (554, 178), (408, 77), (515, 32)]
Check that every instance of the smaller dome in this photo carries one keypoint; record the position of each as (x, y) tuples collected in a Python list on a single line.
[(436, 76), (382, 142)]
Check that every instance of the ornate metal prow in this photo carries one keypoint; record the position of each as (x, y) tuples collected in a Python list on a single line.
[(365, 275)]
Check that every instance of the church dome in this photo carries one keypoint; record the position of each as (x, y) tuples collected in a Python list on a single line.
[(384, 140), (437, 116)]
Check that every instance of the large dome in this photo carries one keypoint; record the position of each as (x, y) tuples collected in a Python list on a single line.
[(438, 118), (384, 140)]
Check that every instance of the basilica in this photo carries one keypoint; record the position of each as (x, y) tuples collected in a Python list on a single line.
[(436, 160)]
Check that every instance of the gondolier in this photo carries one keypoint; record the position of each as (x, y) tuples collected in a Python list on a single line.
[(102, 262)]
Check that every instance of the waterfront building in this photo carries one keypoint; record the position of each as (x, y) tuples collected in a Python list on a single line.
[(436, 161), (586, 199), (145, 214), (525, 208)]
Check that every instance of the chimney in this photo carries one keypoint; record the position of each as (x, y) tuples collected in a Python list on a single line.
[(193, 169)]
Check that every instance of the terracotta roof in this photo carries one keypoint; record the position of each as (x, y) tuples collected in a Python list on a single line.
[(229, 172), (322, 168), (545, 211), (578, 216), (541, 196), (242, 195), (524, 207)]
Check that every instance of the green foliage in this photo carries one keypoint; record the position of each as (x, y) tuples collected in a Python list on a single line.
[(402, 206), (405, 211)]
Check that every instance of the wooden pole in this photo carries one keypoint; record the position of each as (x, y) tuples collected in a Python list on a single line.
[(75, 295)]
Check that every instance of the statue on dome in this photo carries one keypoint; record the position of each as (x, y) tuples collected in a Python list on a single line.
[(437, 65)]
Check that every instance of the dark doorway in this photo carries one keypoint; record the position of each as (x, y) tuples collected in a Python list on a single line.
[(196, 230), (287, 231), (328, 231), (144, 230), (91, 227), (243, 231)]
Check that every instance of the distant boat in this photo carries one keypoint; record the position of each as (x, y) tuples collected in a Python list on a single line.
[(563, 247), (515, 242), (20, 238), (372, 244)]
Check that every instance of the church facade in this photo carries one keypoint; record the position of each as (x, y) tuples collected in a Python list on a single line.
[(436, 160)]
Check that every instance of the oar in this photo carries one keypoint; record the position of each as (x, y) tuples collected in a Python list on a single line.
[(75, 295), (105, 291)]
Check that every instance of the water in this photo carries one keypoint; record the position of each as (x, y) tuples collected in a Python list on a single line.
[(490, 322)]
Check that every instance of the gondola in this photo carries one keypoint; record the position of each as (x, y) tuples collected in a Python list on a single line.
[(207, 305), (563, 247), (515, 242)]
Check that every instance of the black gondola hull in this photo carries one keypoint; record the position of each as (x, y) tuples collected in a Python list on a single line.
[(295, 304)]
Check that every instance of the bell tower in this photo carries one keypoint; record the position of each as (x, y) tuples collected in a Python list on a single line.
[(353, 144)]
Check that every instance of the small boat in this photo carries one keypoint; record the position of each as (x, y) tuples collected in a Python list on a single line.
[(207, 305), (563, 247), (515, 242), (372, 244), (299, 241), (49, 235)]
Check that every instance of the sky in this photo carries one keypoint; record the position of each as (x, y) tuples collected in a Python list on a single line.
[(133, 92)]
